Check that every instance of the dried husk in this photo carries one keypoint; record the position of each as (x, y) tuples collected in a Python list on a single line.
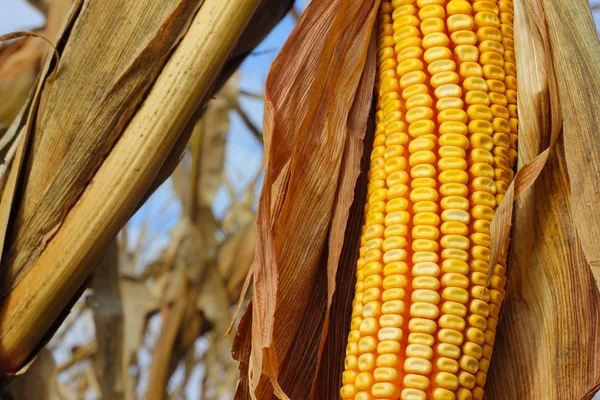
[(110, 149), (548, 344), (312, 145)]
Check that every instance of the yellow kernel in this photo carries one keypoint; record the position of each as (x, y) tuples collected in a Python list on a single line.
[(424, 310), (366, 362), (425, 207), (455, 115), (447, 364), (432, 25), (472, 349), (448, 350), (452, 322), (416, 381), (349, 377), (393, 307), (475, 335), (387, 360), (455, 294), (453, 264), (364, 380), (367, 344), (456, 216), (478, 322), (475, 83), (364, 395), (412, 78), (437, 53), (393, 294), (394, 282), (421, 338), (464, 37), (372, 309), (383, 390), (391, 321), (388, 346), (395, 268), (463, 394), (458, 7), (426, 218), (348, 392), (443, 394), (453, 202), (460, 23), (448, 91), (469, 364), (441, 66), (413, 394), (425, 296), (451, 336), (435, 39), (421, 325), (444, 78), (425, 269), (452, 151), (447, 380), (417, 365)]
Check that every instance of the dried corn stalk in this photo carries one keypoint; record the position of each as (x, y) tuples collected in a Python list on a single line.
[(88, 150), (308, 229)]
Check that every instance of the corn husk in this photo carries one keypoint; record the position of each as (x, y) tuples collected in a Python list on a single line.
[(291, 341), (548, 344), (313, 146), (103, 129)]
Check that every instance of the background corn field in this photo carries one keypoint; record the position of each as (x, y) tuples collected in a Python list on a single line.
[(152, 322)]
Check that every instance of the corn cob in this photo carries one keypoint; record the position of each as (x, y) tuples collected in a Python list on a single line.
[(423, 322)]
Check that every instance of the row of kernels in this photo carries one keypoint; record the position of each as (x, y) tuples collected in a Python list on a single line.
[(392, 279), (348, 390), (453, 178), (482, 186), (423, 194), (507, 18)]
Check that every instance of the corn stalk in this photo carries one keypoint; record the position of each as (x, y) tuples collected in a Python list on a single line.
[(59, 231)]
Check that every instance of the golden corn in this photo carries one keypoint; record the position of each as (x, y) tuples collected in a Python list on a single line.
[(423, 322)]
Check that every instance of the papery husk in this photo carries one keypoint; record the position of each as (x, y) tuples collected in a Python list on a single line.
[(548, 342), (102, 162), (312, 146)]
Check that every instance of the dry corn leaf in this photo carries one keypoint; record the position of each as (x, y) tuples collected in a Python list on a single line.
[(304, 146), (548, 343), (138, 305), (93, 212), (21, 61), (77, 123), (172, 314), (235, 258), (576, 57)]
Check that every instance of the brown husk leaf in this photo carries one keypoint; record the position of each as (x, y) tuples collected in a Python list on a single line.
[(548, 343), (313, 147)]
